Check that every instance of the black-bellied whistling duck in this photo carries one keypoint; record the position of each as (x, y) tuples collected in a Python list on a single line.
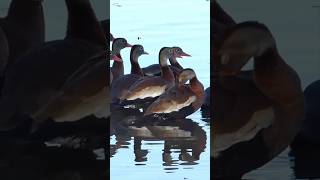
[(261, 121), (146, 89), (24, 27), (85, 93), (115, 58), (121, 85), (155, 69), (38, 77), (181, 100), (117, 68)]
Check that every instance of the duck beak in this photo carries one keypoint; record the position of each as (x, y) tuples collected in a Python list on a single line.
[(144, 52), (116, 58), (129, 45), (183, 54)]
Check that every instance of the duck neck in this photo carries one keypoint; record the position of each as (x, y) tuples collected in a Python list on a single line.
[(266, 61), (197, 87), (166, 72), (135, 67), (117, 68), (82, 22), (175, 63), (220, 15), (276, 79)]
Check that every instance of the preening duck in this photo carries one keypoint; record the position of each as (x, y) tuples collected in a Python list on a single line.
[(262, 120), (121, 85), (39, 76), (146, 89), (155, 69), (117, 68), (181, 100)]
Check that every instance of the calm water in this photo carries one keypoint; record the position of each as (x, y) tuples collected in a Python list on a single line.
[(295, 25), (172, 150)]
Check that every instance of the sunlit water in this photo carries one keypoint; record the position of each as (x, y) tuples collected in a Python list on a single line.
[(295, 25), (177, 150)]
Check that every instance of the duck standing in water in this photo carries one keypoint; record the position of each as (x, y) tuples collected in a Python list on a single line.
[(262, 120), (181, 100), (117, 68), (146, 89), (121, 85), (155, 69)]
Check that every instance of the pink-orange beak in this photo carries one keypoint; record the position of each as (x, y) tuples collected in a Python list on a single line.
[(129, 45), (183, 54), (144, 52)]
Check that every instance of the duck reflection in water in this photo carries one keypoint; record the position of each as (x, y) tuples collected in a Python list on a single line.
[(182, 136)]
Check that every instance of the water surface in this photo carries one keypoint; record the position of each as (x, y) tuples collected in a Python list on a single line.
[(173, 150)]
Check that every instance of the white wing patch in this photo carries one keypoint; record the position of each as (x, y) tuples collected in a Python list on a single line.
[(174, 106), (259, 120), (151, 91), (96, 105)]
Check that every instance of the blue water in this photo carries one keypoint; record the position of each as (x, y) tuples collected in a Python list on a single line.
[(157, 24)]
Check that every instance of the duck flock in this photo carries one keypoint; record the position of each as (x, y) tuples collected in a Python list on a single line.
[(161, 91), (257, 113)]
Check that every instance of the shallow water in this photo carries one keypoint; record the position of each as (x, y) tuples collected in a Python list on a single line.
[(176, 150)]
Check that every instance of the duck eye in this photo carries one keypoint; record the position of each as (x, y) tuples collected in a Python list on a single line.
[(170, 50), (141, 48)]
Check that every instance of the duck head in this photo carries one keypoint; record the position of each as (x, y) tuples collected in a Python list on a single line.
[(179, 52), (164, 54), (186, 75), (136, 51), (240, 43), (119, 44)]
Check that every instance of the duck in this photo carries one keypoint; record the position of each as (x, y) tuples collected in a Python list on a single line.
[(155, 69), (261, 120), (117, 68), (147, 89), (86, 92), (114, 58), (39, 76), (181, 100), (121, 85)]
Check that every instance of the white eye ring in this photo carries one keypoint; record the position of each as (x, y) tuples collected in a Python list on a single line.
[(225, 59)]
